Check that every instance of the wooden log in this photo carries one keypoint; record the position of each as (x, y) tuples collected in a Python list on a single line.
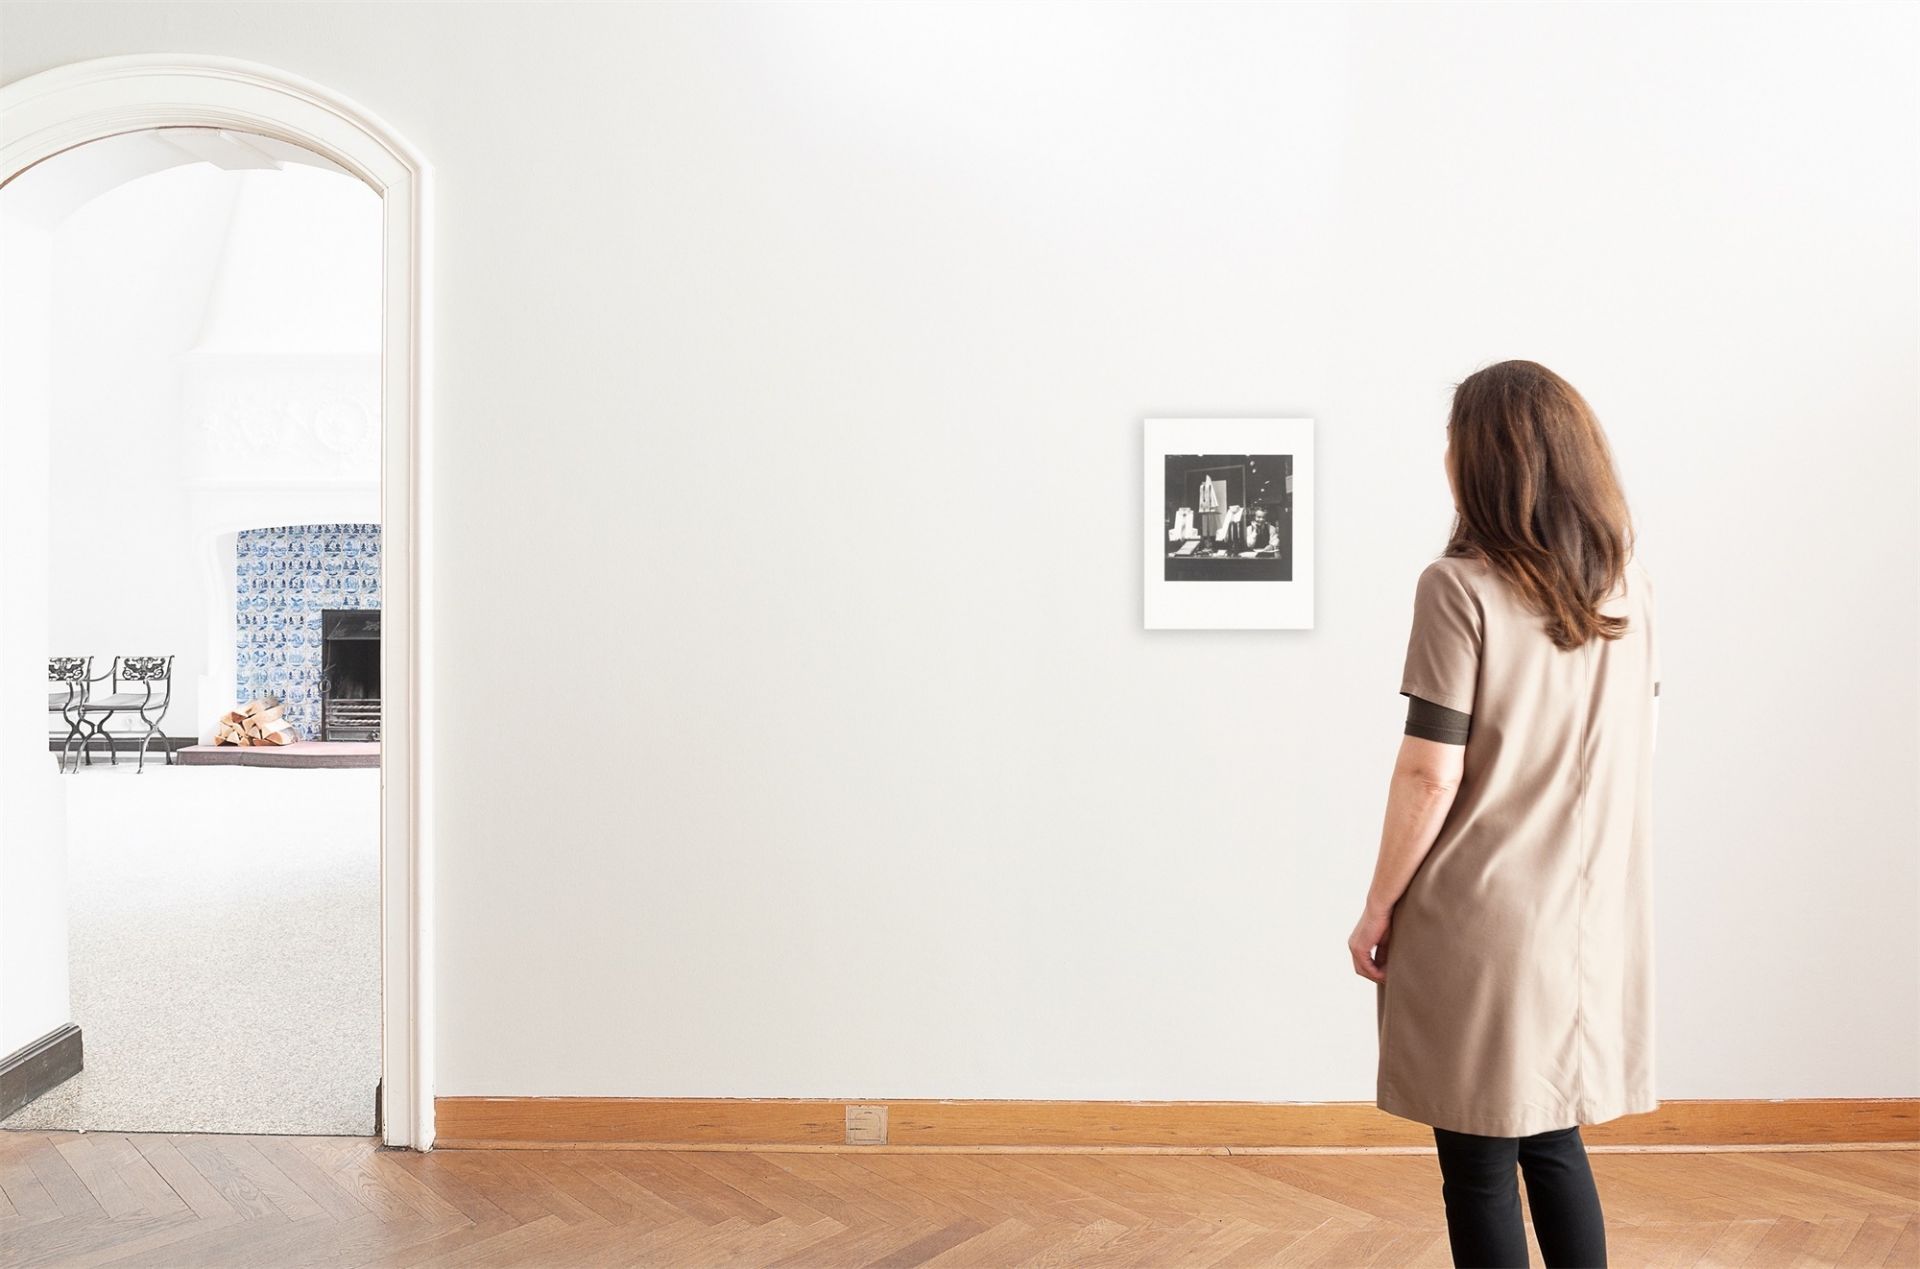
[(278, 733), (258, 722)]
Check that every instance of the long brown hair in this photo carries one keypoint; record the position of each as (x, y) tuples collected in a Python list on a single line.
[(1538, 496)]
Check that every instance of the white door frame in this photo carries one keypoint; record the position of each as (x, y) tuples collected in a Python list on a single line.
[(44, 114)]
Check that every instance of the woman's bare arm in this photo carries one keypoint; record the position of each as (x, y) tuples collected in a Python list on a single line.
[(1426, 775)]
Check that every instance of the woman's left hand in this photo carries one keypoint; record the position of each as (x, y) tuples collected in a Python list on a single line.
[(1368, 944)]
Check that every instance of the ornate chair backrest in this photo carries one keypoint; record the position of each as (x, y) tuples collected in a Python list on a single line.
[(77, 674), (148, 670)]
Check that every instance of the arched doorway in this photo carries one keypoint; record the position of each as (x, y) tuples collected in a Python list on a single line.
[(71, 106)]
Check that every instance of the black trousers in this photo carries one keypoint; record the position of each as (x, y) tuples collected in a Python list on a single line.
[(1483, 1200)]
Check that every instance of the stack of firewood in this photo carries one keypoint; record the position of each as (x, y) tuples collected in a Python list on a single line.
[(258, 723)]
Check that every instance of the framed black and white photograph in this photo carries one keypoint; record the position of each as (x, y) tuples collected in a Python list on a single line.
[(1229, 524)]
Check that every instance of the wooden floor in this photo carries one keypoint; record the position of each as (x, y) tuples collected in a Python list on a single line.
[(108, 1198)]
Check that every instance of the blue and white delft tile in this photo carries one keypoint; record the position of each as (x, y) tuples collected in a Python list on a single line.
[(285, 577)]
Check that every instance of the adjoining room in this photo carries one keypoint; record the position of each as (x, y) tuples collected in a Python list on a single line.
[(213, 556)]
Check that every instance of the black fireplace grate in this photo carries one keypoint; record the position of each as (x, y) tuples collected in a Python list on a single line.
[(357, 719), (350, 674)]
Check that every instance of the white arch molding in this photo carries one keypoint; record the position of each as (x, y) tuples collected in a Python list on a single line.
[(45, 114)]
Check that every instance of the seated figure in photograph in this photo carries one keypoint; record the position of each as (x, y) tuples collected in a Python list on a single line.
[(1260, 533), (1241, 536)]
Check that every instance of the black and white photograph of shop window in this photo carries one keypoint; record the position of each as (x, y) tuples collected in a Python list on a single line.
[(1229, 524), (1229, 517)]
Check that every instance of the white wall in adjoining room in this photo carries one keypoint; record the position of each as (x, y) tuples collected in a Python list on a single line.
[(216, 367), (721, 292), (132, 271)]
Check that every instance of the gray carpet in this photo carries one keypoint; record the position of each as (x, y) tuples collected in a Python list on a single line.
[(225, 939)]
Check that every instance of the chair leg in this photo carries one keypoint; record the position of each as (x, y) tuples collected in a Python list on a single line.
[(153, 729), (76, 744), (98, 731)]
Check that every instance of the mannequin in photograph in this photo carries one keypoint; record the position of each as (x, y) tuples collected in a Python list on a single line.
[(1231, 536), (1213, 493), (1182, 530), (1508, 928), (1260, 533)]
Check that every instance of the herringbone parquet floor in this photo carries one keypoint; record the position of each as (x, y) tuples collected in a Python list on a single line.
[(264, 1202)]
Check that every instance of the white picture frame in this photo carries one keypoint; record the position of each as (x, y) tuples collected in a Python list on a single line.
[(1209, 564)]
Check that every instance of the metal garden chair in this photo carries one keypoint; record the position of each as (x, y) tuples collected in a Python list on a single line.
[(74, 675), (94, 712)]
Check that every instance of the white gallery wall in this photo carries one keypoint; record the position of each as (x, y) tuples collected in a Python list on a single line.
[(790, 362), (34, 880)]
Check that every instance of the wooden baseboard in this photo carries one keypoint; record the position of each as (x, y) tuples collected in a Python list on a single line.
[(32, 1069), (689, 1123)]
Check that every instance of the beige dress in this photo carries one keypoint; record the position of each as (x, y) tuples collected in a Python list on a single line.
[(1519, 985)]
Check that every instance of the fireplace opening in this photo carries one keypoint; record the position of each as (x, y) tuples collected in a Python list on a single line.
[(350, 674)]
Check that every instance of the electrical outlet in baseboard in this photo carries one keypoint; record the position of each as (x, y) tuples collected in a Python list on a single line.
[(866, 1125)]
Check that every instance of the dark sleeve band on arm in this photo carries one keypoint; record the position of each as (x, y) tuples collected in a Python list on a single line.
[(1429, 721)]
